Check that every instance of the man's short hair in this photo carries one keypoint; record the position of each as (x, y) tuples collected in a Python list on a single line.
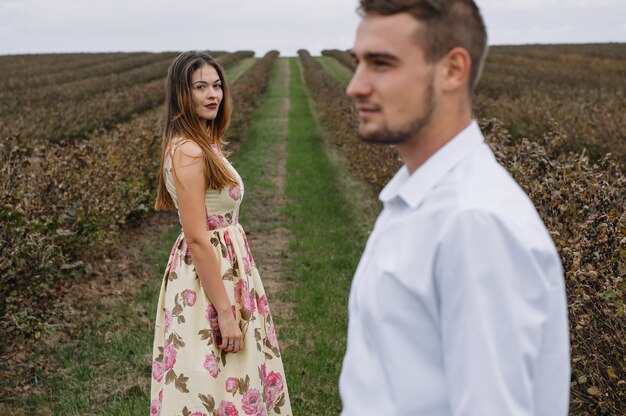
[(447, 24)]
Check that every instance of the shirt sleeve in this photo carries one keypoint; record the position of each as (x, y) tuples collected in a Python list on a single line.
[(492, 302)]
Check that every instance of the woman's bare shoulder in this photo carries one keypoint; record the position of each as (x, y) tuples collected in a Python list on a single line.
[(190, 148)]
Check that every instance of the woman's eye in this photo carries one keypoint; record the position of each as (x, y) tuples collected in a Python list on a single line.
[(218, 86)]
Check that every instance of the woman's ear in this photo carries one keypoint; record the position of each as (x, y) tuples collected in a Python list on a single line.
[(456, 67)]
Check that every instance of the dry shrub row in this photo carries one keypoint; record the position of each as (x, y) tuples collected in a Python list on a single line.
[(342, 56), (247, 94), (581, 86), (582, 204), (60, 202), (19, 70), (88, 81), (17, 81), (557, 51), (63, 205), (228, 59), (527, 86), (59, 120)]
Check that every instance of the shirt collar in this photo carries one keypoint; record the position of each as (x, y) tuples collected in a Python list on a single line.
[(413, 188)]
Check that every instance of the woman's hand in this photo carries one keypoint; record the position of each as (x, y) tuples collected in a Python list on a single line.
[(232, 338)]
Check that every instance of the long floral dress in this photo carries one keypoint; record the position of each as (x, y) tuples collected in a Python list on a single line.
[(190, 375)]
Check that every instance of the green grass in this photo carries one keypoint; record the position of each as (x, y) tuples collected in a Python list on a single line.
[(104, 368), (336, 69), (325, 250), (254, 159), (239, 69)]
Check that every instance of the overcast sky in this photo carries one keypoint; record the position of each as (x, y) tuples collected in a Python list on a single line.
[(35, 26)]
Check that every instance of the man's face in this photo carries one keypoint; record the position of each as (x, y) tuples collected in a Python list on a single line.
[(393, 86)]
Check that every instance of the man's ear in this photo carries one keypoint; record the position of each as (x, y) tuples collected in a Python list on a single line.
[(455, 70)]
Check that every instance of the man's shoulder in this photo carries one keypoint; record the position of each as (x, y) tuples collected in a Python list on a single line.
[(480, 186)]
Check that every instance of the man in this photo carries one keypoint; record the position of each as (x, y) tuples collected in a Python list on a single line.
[(458, 304)]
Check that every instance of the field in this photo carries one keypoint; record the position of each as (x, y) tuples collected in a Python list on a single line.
[(82, 251)]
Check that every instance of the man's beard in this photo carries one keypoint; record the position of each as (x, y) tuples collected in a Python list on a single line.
[(388, 136)]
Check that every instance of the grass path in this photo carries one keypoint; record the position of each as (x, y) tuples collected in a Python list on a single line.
[(325, 248), (336, 69), (239, 68), (262, 165), (300, 213)]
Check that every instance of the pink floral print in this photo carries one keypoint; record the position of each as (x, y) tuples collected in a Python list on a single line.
[(271, 335), (169, 356), (155, 408), (216, 221), (263, 373), (211, 315), (231, 384), (157, 371), (252, 403), (155, 405), (250, 258), (227, 409), (264, 308), (244, 297), (248, 303), (273, 388), (229, 247), (210, 364), (246, 265), (168, 320), (234, 192), (241, 290), (190, 297), (175, 261)]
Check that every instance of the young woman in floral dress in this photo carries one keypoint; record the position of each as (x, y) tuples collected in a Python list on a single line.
[(215, 348)]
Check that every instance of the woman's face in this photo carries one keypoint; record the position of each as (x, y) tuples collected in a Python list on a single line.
[(206, 92)]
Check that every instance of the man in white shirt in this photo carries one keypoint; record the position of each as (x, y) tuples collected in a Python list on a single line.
[(458, 304)]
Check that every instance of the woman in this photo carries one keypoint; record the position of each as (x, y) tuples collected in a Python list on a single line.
[(215, 349)]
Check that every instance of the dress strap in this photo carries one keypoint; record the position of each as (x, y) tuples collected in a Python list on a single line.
[(179, 141)]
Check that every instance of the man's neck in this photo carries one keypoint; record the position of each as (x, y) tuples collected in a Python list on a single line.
[(434, 136)]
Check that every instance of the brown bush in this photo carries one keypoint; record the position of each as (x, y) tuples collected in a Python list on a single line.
[(342, 56), (527, 86), (247, 93), (580, 86), (63, 204), (582, 204), (63, 118)]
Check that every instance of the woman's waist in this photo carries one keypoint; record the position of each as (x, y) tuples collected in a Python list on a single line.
[(216, 222)]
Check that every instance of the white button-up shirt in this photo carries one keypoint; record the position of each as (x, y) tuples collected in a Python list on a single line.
[(458, 304)]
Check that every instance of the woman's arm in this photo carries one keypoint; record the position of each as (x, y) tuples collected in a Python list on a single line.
[(190, 184)]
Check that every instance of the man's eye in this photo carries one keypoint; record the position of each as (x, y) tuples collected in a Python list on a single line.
[(381, 64)]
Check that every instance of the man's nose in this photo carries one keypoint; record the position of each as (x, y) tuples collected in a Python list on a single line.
[(359, 85)]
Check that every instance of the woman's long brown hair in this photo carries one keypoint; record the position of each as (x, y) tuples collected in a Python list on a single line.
[(182, 121)]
